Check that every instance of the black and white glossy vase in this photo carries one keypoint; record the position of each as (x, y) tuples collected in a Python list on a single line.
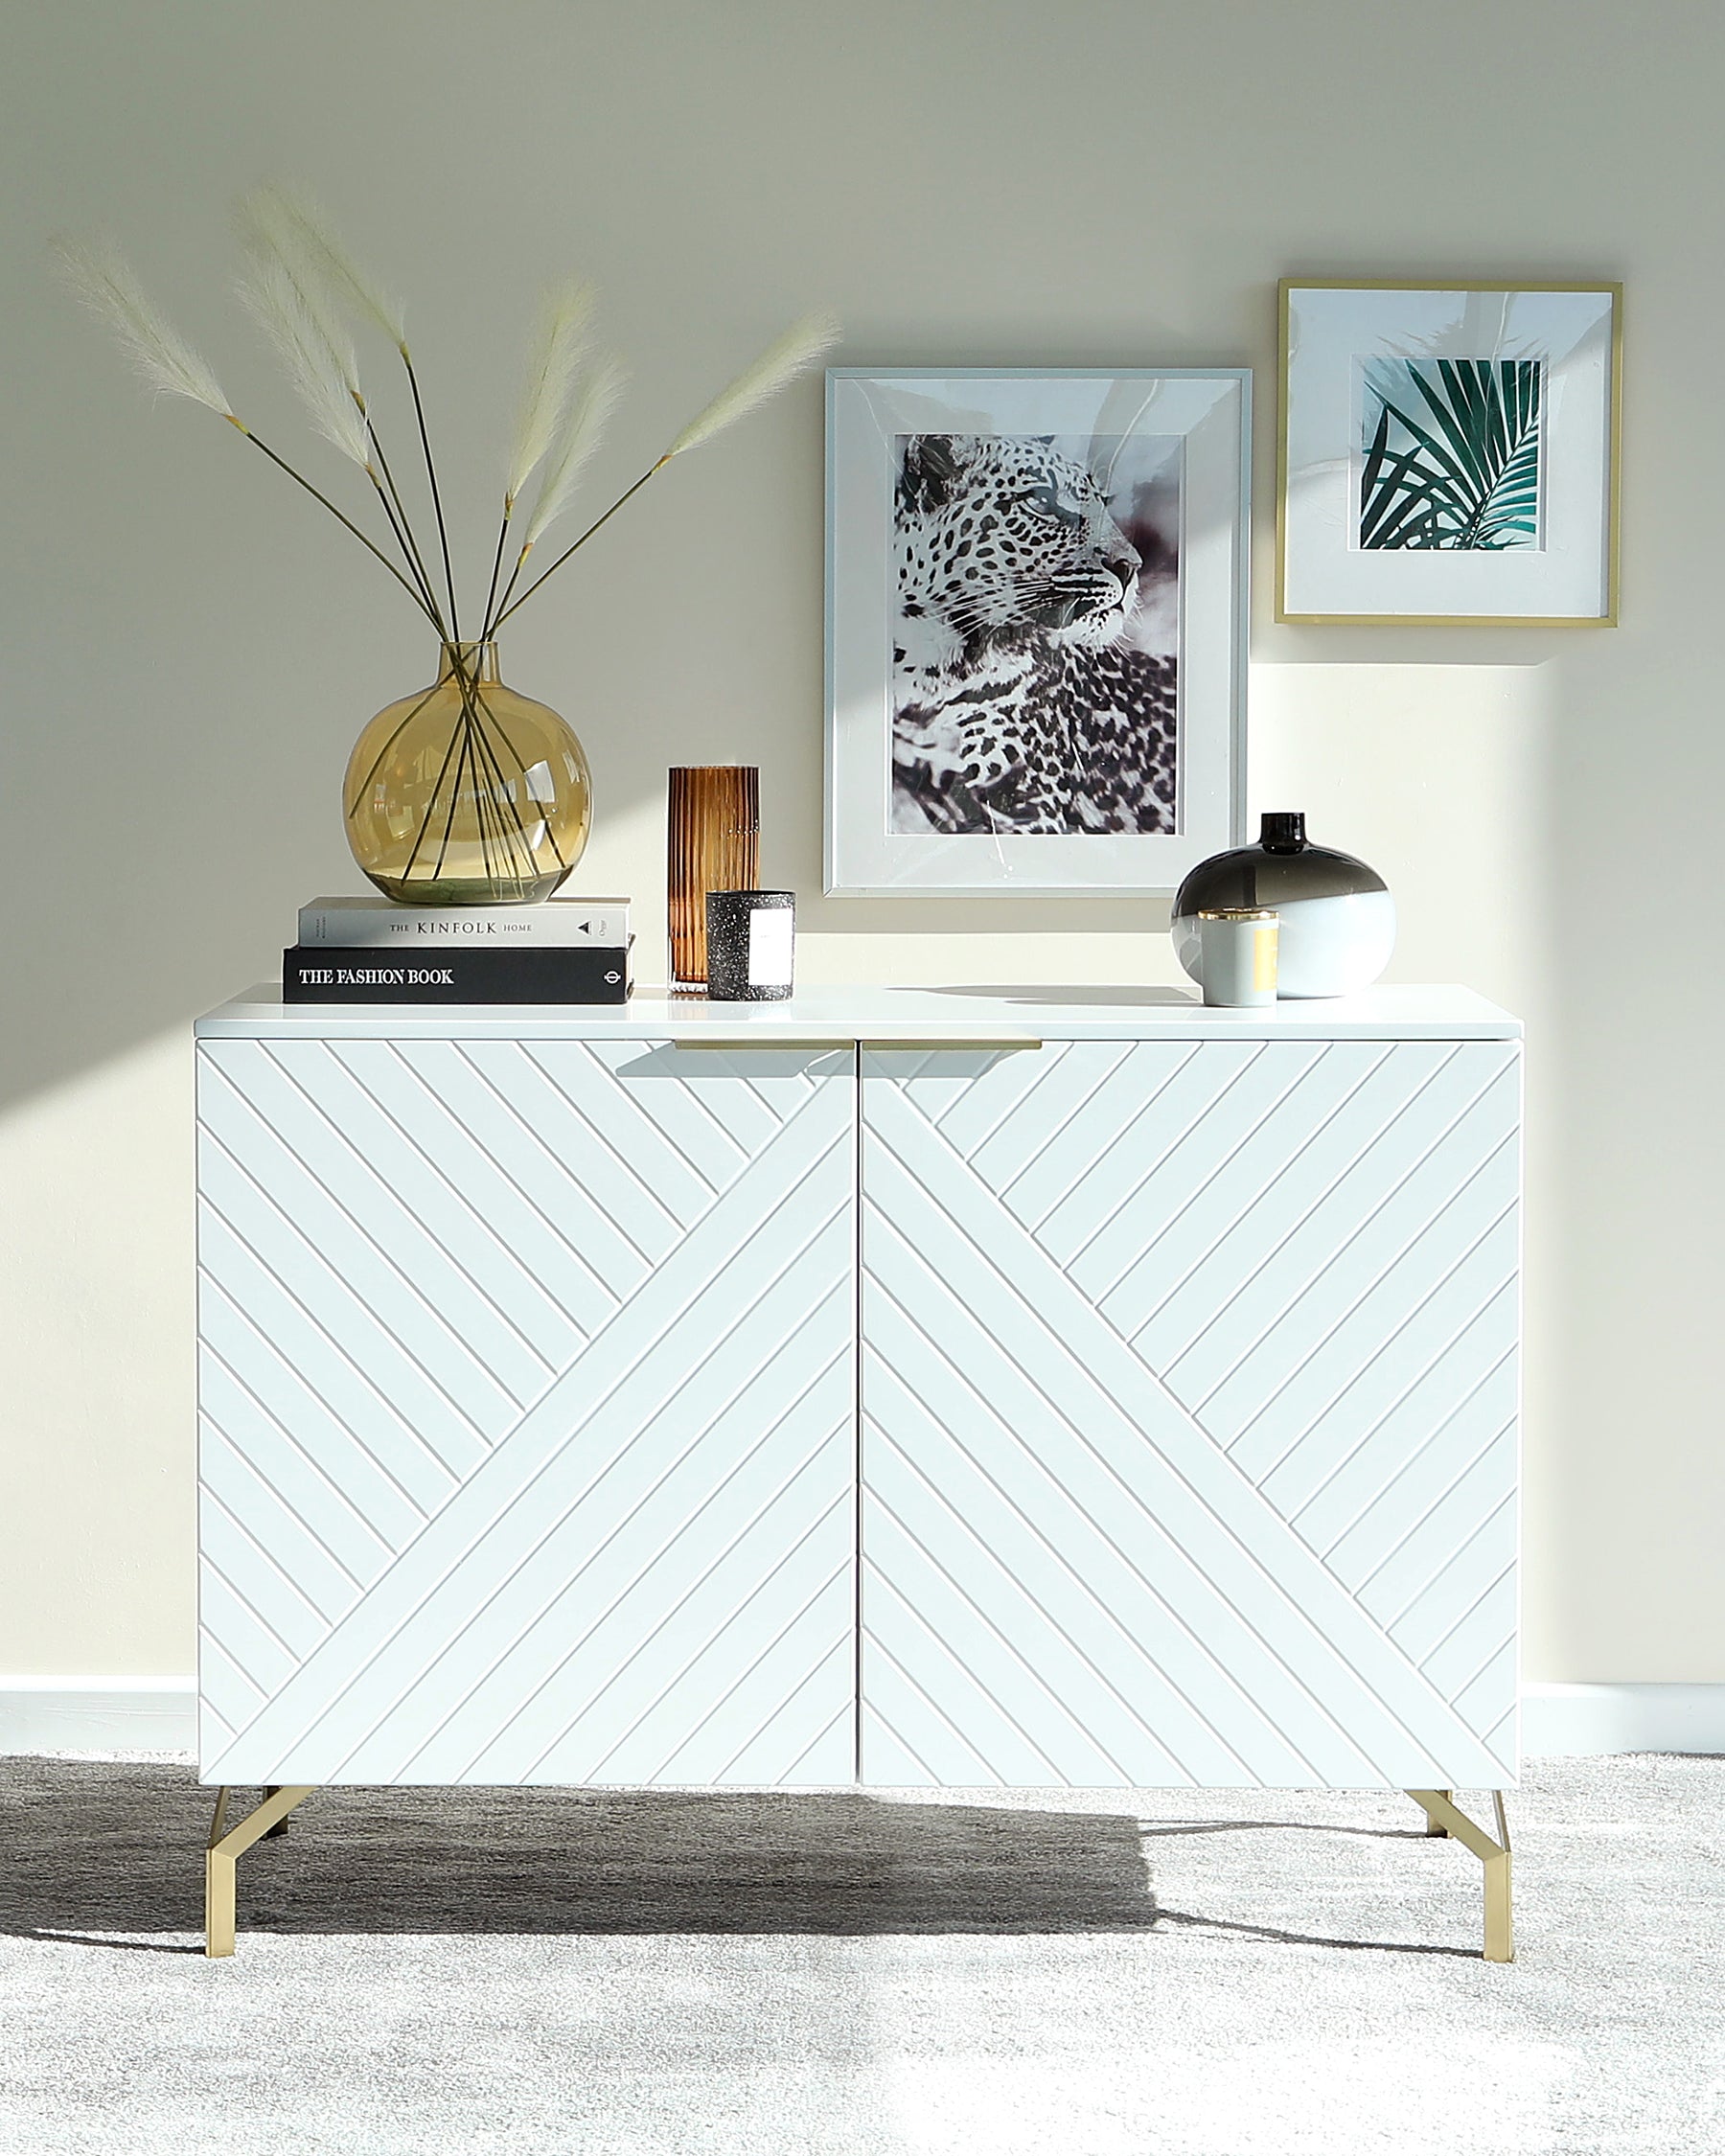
[(1338, 919)]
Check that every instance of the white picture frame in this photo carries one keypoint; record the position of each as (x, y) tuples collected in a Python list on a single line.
[(1406, 520), (1186, 432)]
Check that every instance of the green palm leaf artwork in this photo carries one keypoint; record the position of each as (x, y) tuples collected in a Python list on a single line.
[(1452, 455)]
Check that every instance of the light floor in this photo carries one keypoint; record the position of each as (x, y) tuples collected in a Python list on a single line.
[(1156, 1974)]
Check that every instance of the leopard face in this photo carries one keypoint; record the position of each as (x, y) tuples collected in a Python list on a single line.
[(1000, 538)]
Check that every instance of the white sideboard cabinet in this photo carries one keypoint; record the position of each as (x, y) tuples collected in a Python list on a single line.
[(884, 1386)]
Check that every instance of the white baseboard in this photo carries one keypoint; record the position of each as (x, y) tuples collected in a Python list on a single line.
[(98, 1715), (1580, 1720), (160, 1714)]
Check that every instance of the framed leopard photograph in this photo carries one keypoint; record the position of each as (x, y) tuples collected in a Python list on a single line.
[(1036, 613)]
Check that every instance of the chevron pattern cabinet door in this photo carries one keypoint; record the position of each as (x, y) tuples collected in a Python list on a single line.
[(1189, 1413), (528, 1412)]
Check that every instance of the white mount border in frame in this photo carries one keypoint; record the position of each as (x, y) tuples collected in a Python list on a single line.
[(868, 410), (1330, 572)]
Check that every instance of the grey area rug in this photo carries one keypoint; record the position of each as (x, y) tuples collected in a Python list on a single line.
[(429, 1973)]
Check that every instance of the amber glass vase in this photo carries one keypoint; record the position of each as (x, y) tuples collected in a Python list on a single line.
[(713, 843), (467, 793)]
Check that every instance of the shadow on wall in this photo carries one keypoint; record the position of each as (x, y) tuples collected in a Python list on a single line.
[(175, 793)]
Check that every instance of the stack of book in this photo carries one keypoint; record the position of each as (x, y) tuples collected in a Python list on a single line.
[(370, 950)]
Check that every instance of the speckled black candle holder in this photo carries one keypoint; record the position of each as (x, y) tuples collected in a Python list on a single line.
[(750, 946)]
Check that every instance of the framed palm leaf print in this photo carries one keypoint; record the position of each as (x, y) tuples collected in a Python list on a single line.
[(1449, 454)]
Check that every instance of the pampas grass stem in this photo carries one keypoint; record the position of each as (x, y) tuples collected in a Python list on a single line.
[(442, 529), (300, 480), (598, 524), (491, 595), (404, 534), (395, 516)]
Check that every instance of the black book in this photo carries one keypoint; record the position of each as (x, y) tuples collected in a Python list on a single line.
[(538, 974)]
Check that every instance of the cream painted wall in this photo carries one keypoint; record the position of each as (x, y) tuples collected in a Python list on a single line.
[(189, 655)]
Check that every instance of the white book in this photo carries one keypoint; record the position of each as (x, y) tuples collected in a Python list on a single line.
[(370, 923)]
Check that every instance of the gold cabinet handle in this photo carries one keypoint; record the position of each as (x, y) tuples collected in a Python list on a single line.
[(980, 1047), (826, 1048)]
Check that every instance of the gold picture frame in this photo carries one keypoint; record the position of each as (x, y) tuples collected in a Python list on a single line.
[(1290, 537)]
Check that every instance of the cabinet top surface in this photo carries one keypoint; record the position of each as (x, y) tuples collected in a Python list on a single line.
[(819, 1014)]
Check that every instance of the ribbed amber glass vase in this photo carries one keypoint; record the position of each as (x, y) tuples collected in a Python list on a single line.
[(467, 793), (714, 844)]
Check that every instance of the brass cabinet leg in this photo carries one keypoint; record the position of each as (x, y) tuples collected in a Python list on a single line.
[(1435, 1827), (1500, 1918), (219, 1886), (1495, 1856), (227, 1845)]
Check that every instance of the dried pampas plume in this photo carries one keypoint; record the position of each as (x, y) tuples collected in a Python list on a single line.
[(798, 349), (560, 344), (103, 280), (297, 230), (320, 370), (277, 257), (582, 433)]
